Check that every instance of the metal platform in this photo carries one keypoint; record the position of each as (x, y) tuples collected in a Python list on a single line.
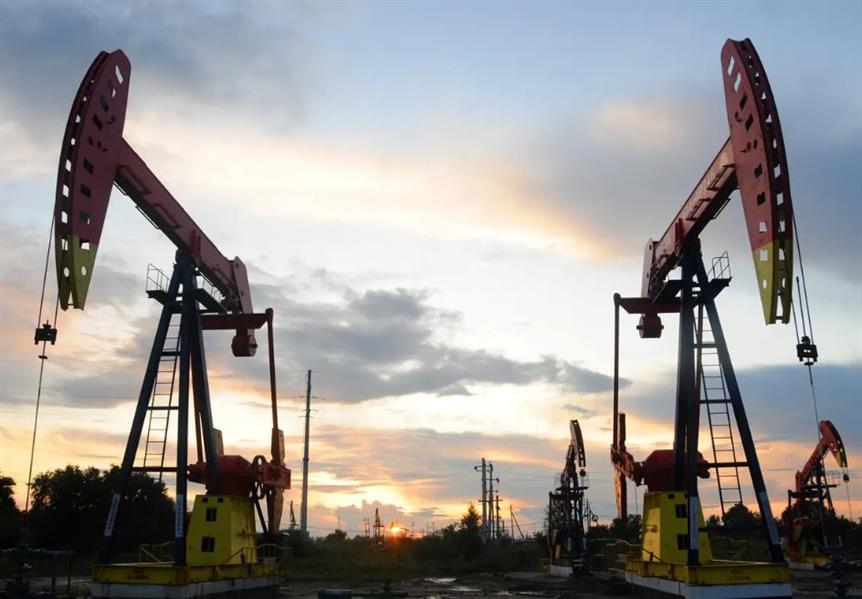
[(663, 587), (180, 582), (717, 579)]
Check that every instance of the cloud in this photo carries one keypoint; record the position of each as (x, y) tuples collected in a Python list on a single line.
[(598, 183), (838, 387), (655, 127), (586, 412), (181, 53), (371, 343), (435, 483), (385, 343)]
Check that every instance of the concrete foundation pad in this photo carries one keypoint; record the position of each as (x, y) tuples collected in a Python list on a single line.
[(254, 586), (562, 571), (673, 588)]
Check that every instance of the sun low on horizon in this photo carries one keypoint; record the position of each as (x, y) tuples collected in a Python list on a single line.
[(438, 201)]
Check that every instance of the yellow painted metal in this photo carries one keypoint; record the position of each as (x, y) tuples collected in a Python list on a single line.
[(75, 260), (714, 573), (665, 529), (170, 575), (773, 265), (220, 545), (663, 553), (221, 531)]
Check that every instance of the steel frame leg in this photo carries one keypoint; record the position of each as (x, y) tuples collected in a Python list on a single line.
[(138, 420), (203, 407), (192, 370), (741, 419), (687, 426), (189, 313)]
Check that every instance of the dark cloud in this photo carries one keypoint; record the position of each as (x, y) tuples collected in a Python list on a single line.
[(777, 400), (195, 58), (622, 189), (383, 343), (369, 345)]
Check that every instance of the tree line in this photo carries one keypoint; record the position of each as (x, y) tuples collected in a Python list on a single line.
[(68, 507)]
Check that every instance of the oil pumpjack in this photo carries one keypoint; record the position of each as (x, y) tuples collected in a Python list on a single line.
[(216, 552), (567, 541), (675, 556), (809, 503)]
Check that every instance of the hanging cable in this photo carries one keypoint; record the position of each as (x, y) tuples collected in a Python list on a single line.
[(44, 333), (806, 350)]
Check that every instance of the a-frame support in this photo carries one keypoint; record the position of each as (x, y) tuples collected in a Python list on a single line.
[(696, 290), (184, 298), (689, 295)]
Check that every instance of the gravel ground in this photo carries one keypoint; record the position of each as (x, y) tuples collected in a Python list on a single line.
[(515, 585), (527, 585)]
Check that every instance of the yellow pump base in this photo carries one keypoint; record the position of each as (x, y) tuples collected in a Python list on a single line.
[(222, 557), (661, 567)]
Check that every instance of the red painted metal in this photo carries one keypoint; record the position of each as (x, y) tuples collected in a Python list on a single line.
[(752, 160), (830, 442), (238, 476), (93, 157), (760, 164), (656, 471), (271, 477), (91, 145), (702, 205), (809, 502)]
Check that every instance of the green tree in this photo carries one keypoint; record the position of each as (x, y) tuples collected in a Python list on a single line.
[(66, 508), (146, 515), (339, 536), (469, 539), (70, 506), (739, 517), (10, 515), (627, 530)]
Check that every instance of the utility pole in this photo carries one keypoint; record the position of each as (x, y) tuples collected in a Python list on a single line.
[(497, 521), (303, 513), (484, 499), (491, 480)]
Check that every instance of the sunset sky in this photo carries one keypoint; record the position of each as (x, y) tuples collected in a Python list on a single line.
[(439, 201)]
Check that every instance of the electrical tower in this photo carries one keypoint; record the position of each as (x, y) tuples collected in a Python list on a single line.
[(378, 528)]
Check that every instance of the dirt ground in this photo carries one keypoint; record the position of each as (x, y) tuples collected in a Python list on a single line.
[(514, 585), (526, 585)]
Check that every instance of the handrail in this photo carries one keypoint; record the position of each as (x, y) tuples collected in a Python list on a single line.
[(149, 550)]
